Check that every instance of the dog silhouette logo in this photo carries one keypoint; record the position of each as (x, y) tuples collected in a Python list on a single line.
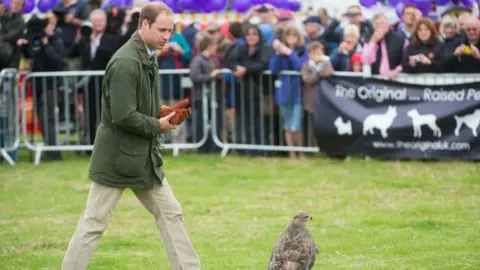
[(343, 128), (418, 120), (472, 121), (381, 122)]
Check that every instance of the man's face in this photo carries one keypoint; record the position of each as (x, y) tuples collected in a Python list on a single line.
[(99, 22), (380, 24), (462, 18), (311, 28), (3, 9), (265, 17), (355, 15), (408, 16), (157, 34), (16, 6), (471, 28)]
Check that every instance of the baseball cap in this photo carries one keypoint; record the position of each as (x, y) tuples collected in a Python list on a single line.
[(285, 16)]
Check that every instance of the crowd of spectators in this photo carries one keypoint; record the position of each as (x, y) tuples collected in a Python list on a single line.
[(78, 35)]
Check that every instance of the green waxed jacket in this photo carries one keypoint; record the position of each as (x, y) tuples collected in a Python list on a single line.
[(126, 152)]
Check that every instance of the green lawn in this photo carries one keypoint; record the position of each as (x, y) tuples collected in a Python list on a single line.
[(366, 214)]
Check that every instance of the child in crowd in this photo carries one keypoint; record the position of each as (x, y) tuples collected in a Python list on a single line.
[(317, 67), (356, 63), (203, 71)]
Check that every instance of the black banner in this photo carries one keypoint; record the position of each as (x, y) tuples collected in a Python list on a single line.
[(387, 119)]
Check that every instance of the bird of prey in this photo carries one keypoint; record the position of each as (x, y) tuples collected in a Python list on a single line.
[(295, 248)]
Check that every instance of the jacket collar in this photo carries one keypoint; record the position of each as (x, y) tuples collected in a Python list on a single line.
[(141, 49)]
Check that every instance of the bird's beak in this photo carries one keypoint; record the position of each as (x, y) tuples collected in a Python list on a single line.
[(310, 217)]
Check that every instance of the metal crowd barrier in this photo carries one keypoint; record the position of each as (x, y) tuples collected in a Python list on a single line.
[(230, 114), (257, 125), (68, 107), (9, 115)]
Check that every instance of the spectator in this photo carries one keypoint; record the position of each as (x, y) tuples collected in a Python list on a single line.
[(95, 48), (325, 20), (450, 33), (425, 53), (356, 63), (264, 13), (203, 71), (290, 53), (190, 32), (130, 25), (221, 41), (317, 67), (354, 15), (11, 28), (313, 28), (70, 16), (466, 57), (283, 19), (47, 57), (175, 55), (409, 18), (247, 62), (385, 50), (341, 56)]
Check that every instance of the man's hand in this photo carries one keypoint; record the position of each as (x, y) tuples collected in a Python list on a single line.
[(181, 113), (240, 72), (459, 50), (412, 60), (165, 124), (392, 74)]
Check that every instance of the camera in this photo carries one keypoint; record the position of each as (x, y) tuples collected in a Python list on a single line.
[(34, 32), (86, 29), (115, 18)]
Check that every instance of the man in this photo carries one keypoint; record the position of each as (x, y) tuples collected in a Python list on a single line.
[(385, 51), (11, 28), (409, 18), (466, 56), (354, 15), (95, 49), (126, 153), (313, 30)]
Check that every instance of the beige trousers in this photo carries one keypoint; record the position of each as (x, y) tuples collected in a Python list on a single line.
[(159, 201)]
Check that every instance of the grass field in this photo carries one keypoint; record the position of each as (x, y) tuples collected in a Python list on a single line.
[(366, 214)]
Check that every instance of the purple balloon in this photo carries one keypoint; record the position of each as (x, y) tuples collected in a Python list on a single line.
[(294, 5), (6, 3), (399, 9), (275, 3), (128, 3), (424, 6), (467, 3), (394, 3), (442, 2), (29, 5), (259, 2), (241, 5), (46, 5), (368, 3), (188, 5), (218, 5), (117, 3)]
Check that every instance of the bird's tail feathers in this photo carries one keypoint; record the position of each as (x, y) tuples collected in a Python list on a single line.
[(290, 266)]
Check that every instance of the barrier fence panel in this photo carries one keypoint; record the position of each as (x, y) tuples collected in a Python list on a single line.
[(68, 108), (257, 123), (9, 115), (176, 85)]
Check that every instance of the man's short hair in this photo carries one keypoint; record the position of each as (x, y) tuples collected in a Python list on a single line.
[(408, 6), (378, 16), (205, 42), (236, 29), (98, 11), (315, 45), (151, 11)]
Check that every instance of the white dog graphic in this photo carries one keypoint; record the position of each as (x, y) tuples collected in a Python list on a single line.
[(380, 121), (419, 120), (470, 120), (343, 128)]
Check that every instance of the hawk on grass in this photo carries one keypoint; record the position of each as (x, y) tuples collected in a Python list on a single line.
[(295, 248)]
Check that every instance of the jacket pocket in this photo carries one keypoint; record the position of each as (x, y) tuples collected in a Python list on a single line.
[(132, 155), (157, 157)]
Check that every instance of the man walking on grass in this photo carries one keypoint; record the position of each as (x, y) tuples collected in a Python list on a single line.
[(126, 149)]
